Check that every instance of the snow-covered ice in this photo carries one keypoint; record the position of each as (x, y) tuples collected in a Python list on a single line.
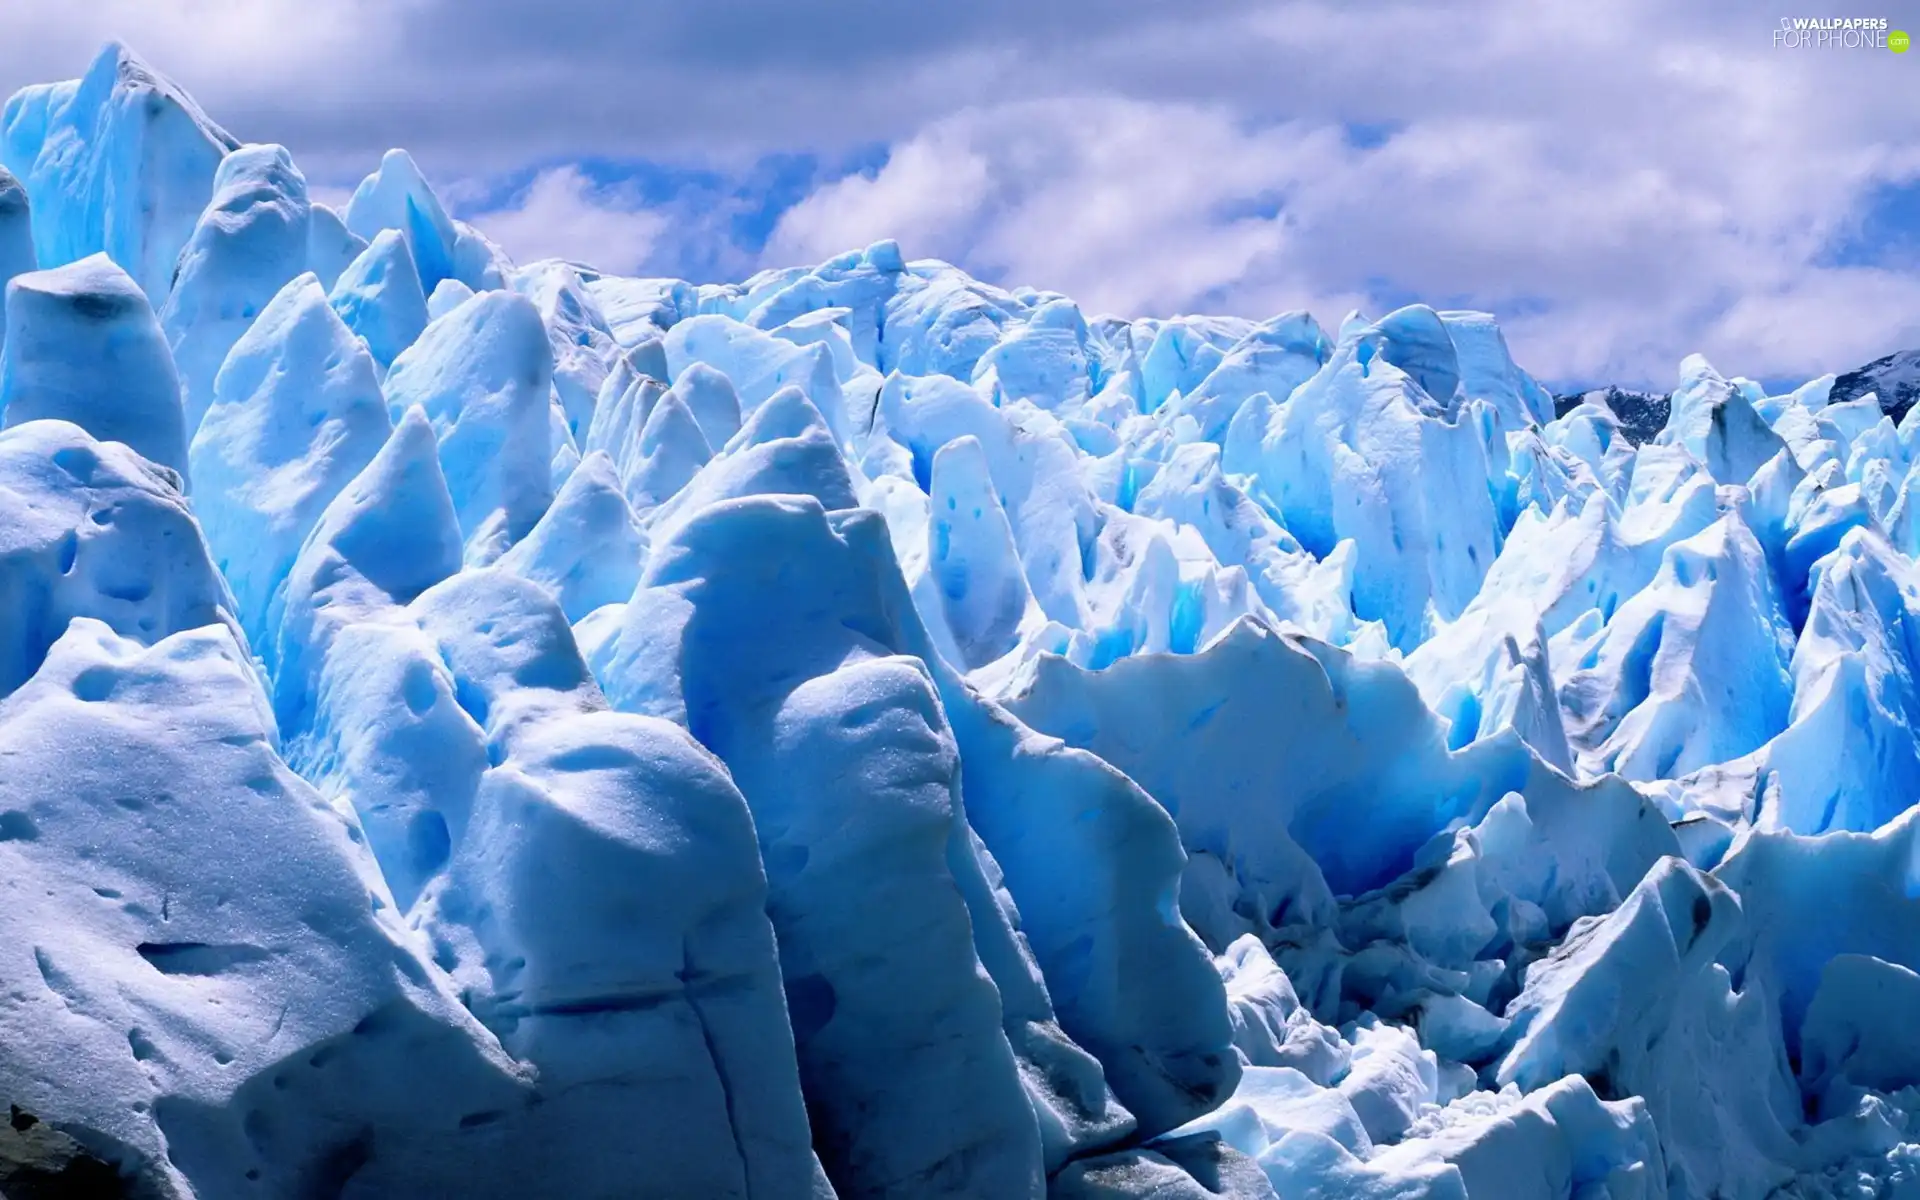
[(490, 729), (83, 345)]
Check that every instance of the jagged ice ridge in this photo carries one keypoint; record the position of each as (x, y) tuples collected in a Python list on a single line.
[(482, 729)]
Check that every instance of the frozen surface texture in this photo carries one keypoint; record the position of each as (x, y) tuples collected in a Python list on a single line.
[(119, 161), (83, 346), (493, 730)]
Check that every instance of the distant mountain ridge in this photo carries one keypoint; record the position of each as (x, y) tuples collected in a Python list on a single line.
[(1641, 414), (1895, 380)]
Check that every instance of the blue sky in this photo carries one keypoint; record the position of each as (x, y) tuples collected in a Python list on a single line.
[(1622, 182)]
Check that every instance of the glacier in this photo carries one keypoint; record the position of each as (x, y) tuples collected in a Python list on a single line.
[(493, 729)]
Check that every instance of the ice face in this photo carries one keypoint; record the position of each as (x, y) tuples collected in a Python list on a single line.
[(387, 536), (119, 161), (297, 412), (674, 655), (251, 240), (1274, 358), (397, 198), (865, 730), (16, 238), (83, 345), (670, 1036), (482, 375), (166, 761), (95, 531), (379, 297), (588, 549), (583, 345), (759, 364), (330, 245)]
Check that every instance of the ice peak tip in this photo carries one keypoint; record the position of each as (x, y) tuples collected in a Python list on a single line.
[(884, 255), (413, 423), (96, 276), (113, 53), (400, 160)]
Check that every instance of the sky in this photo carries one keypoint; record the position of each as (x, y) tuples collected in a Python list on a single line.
[(1621, 182)]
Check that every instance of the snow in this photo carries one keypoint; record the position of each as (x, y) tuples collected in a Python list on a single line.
[(1893, 381), (482, 729)]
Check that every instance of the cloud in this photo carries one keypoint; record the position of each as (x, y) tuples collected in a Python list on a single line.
[(1619, 199), (493, 85), (564, 214), (1623, 181), (1127, 206)]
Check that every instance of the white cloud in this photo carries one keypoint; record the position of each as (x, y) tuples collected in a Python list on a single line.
[(1113, 201), (932, 187), (1624, 181), (1623, 189), (564, 214), (231, 49)]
